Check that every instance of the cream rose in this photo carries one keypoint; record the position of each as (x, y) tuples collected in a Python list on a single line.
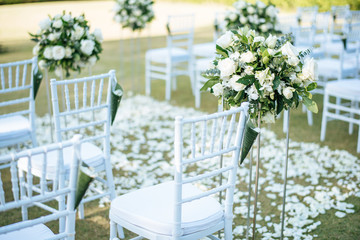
[(225, 40), (58, 52), (77, 33), (217, 89), (249, 70), (289, 50), (309, 70), (57, 23), (271, 41), (66, 17), (42, 64), (243, 19), (288, 92), (247, 57), (98, 35), (48, 53), (36, 49), (259, 39), (233, 16), (68, 52), (87, 46), (250, 9), (227, 67), (235, 85)]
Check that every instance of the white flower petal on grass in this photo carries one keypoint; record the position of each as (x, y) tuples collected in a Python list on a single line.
[(340, 214)]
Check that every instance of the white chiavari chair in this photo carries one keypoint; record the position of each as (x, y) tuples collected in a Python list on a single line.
[(17, 104), (175, 59), (37, 193), (179, 209)]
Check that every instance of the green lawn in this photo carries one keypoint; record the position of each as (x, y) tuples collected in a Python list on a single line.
[(96, 224)]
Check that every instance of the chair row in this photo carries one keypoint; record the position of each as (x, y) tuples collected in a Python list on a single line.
[(50, 172)]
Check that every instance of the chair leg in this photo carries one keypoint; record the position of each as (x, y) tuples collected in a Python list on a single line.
[(112, 230), (358, 143), (120, 231), (228, 230), (147, 77), (338, 102), (351, 125), (24, 211), (310, 118), (81, 211), (33, 139), (324, 118), (110, 179), (168, 81)]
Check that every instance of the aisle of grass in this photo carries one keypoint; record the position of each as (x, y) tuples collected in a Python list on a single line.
[(96, 226)]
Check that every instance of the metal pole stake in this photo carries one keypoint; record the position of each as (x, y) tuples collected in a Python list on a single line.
[(249, 195), (285, 177)]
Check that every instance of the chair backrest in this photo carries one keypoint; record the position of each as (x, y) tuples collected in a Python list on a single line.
[(12, 185), (83, 106), (180, 31), (354, 16), (306, 16), (17, 89), (340, 16), (351, 54), (304, 36), (207, 140), (323, 22)]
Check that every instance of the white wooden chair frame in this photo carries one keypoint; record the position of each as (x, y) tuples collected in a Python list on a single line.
[(43, 193), (215, 146), (19, 84), (180, 38)]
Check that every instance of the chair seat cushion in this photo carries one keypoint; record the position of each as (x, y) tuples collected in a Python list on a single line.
[(14, 127), (90, 154), (36, 232), (347, 88), (163, 54), (151, 209), (204, 49), (330, 67)]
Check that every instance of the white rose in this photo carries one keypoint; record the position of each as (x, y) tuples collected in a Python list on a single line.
[(57, 23), (240, 4), (42, 64), (263, 28), (250, 9), (293, 61), (235, 85), (288, 92), (45, 23), (217, 89), (87, 46), (271, 41), (92, 60), (137, 12), (255, 19), (57, 16), (260, 4), (227, 67), (80, 18), (243, 19), (309, 70), (261, 76), (98, 35), (271, 11), (48, 54), (233, 16), (225, 40), (272, 52), (252, 93), (117, 8), (247, 57), (268, 117), (249, 70), (289, 50), (54, 36), (59, 72), (36, 49), (58, 52), (259, 39), (77, 33), (235, 56), (68, 52), (66, 17)]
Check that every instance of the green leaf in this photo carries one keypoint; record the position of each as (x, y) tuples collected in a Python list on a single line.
[(276, 82), (310, 104), (209, 84), (311, 86), (239, 96), (280, 104), (221, 51), (247, 80)]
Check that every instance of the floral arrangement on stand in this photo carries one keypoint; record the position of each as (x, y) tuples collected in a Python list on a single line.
[(260, 17), (267, 72), (134, 14), (64, 43)]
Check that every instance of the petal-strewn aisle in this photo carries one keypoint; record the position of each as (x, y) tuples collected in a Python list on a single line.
[(319, 179)]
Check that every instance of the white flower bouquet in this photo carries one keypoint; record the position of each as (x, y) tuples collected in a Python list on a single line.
[(269, 73), (134, 14), (260, 17), (64, 43)]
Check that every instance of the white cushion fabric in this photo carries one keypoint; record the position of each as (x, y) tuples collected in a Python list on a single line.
[(14, 127), (162, 54), (151, 208), (36, 232), (90, 154), (349, 88), (204, 49)]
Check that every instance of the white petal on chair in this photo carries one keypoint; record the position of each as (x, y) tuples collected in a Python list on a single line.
[(179, 209)]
